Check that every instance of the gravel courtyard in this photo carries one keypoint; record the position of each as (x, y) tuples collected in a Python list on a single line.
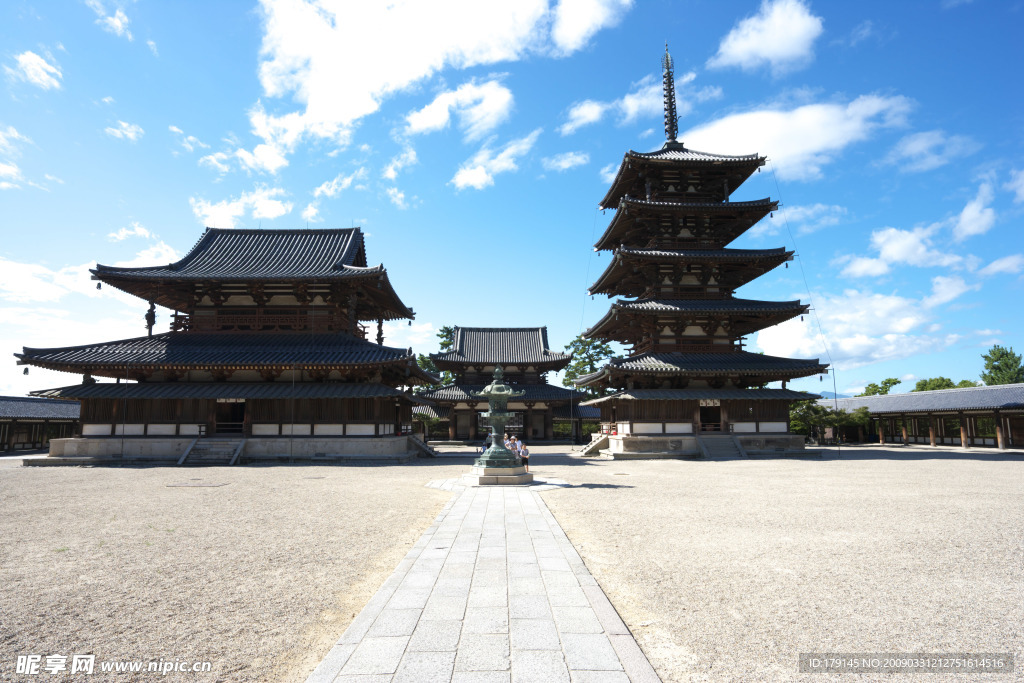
[(259, 576), (727, 570), (722, 570)]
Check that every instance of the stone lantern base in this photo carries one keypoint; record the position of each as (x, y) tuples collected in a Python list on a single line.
[(497, 476)]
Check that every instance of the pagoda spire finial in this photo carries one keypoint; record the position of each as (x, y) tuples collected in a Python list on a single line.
[(671, 119)]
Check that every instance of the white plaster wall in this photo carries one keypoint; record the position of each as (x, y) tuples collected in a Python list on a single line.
[(744, 427), (129, 429), (622, 427), (189, 430), (295, 430), (647, 427), (678, 428), (160, 430), (773, 427), (264, 430), (360, 430), (328, 430), (95, 430)]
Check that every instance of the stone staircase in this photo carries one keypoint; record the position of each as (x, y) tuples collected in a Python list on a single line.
[(214, 450), (594, 447), (720, 446), (421, 449)]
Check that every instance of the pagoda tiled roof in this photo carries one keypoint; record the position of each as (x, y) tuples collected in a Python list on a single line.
[(575, 411), (703, 394), (227, 390), (24, 408), (773, 312), (630, 208), (740, 363), (238, 254), (517, 346), (997, 397), (677, 154), (705, 254), (198, 350), (461, 393)]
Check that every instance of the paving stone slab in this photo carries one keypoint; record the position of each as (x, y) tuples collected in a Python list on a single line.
[(483, 653), (534, 634), (376, 656), (436, 635), (425, 667), (539, 666)]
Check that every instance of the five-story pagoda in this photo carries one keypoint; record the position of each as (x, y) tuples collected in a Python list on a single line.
[(687, 379)]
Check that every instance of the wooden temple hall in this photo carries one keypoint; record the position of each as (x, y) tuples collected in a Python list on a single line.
[(525, 359), (687, 386), (274, 334)]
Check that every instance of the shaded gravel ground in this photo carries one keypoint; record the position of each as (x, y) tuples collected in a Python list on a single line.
[(260, 576), (727, 570)]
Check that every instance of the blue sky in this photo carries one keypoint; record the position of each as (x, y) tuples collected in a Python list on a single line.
[(472, 142)]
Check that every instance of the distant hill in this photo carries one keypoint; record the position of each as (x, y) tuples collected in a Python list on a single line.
[(829, 394)]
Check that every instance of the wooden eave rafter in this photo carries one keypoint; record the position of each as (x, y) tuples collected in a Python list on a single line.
[(634, 167)]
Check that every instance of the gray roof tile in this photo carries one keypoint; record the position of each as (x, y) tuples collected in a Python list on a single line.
[(1004, 396), (534, 392), (704, 393), (22, 408), (235, 254), (212, 390), (517, 346)]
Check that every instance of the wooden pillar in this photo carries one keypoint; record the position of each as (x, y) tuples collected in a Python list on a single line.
[(528, 427), (453, 418), (964, 443), (473, 419), (549, 425), (931, 429), (9, 446), (881, 430), (903, 421), (860, 433), (1000, 440)]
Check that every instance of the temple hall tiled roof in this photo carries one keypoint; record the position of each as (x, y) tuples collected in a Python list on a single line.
[(21, 408), (669, 306), (1001, 396), (519, 346), (236, 254), (235, 390), (676, 151), (461, 393), (193, 350), (703, 393), (740, 363), (705, 254)]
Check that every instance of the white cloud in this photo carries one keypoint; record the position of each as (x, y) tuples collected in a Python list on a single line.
[(1016, 185), (406, 158), (912, 247), (116, 23), (861, 327), (977, 217), (565, 161), (397, 197), (9, 139), (945, 289), (480, 108), (332, 188), (217, 161), (53, 178), (262, 202), (189, 142), (31, 68), (10, 171), (152, 48), (1013, 263), (609, 172), (803, 219), (576, 21), (136, 229), (800, 141), (861, 32), (304, 42), (644, 99), (125, 131), (107, 100), (402, 335), (781, 35), (311, 214), (479, 171), (930, 149)]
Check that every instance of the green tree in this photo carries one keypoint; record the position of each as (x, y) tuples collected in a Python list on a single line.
[(447, 336), (880, 390), (587, 356), (936, 383), (1002, 366)]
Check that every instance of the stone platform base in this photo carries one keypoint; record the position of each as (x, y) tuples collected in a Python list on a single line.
[(497, 476)]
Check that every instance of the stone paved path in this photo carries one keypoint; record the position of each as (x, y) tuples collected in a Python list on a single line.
[(493, 591)]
